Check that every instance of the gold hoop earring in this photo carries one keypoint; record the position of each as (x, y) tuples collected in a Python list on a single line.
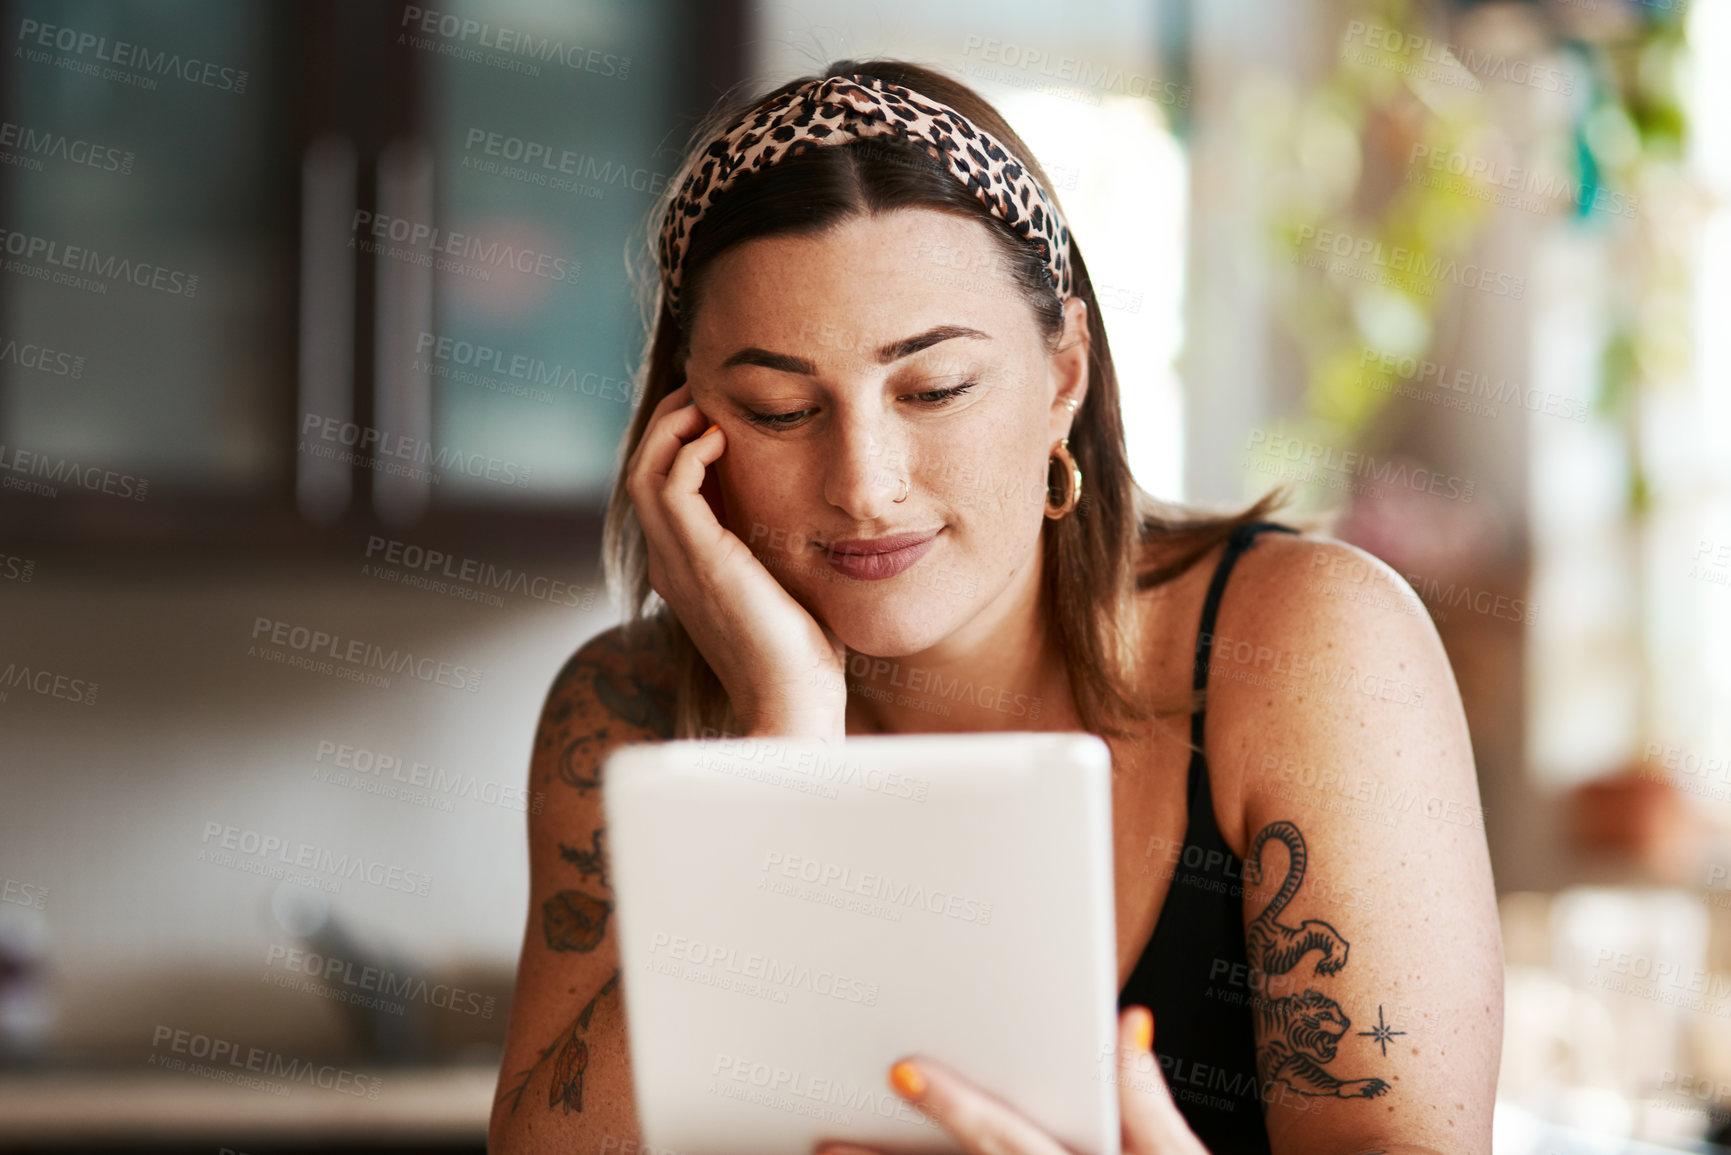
[(1072, 480), (904, 496)]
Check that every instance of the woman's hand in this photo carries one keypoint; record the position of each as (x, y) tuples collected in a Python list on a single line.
[(1151, 1123), (784, 673)]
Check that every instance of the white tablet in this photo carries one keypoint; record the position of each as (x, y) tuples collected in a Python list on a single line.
[(794, 917)]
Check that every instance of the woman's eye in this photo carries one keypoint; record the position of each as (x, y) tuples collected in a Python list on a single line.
[(938, 397), (776, 420), (933, 398)]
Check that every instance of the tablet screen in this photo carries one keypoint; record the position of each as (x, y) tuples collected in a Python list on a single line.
[(795, 916)]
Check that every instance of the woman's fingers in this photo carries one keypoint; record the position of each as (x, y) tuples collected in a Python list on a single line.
[(648, 479), (677, 398), (1152, 1123), (663, 440), (667, 485), (982, 1124), (687, 514)]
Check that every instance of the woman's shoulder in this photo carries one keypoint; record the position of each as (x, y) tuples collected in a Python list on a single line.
[(1317, 594), (1305, 628), (1281, 585), (624, 674), (1289, 566), (1317, 637), (616, 688)]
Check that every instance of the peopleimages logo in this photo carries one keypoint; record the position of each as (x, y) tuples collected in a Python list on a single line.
[(33, 34), (708, 958), (1079, 72), (363, 984), (421, 561), (107, 267), (32, 356), (47, 683), (254, 1061), (35, 144), (360, 768), (1443, 55), (1461, 171), (1400, 259), (1313, 458), (1472, 384), (893, 891), (462, 247), (354, 653), (465, 37), (268, 854), (1479, 601), (29, 464), (369, 448), (547, 164), (450, 351), (24, 894)]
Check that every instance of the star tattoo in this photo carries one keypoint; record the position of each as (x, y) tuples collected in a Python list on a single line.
[(1381, 1033)]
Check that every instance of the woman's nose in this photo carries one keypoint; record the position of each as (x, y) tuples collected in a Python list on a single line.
[(864, 474)]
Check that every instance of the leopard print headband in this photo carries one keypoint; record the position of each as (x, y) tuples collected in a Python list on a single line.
[(840, 109)]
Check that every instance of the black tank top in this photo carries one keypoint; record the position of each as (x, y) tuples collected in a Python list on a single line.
[(1192, 974)]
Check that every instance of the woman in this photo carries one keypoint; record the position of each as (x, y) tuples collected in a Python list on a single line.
[(875, 338)]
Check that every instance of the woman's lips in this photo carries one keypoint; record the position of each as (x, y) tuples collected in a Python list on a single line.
[(877, 566)]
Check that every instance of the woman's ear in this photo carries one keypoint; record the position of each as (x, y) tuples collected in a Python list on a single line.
[(1069, 366)]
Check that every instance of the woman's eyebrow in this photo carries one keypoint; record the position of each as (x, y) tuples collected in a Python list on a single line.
[(894, 351)]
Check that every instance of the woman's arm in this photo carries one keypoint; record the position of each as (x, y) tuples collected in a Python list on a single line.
[(565, 1084), (1375, 957)]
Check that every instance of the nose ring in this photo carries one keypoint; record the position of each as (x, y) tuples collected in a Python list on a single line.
[(904, 495)]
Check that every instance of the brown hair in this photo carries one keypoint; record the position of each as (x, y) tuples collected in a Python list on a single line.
[(1117, 541)]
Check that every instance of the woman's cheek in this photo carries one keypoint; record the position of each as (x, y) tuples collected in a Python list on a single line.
[(742, 515), (759, 504)]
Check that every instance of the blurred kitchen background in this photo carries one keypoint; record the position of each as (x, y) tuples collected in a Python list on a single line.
[(299, 511)]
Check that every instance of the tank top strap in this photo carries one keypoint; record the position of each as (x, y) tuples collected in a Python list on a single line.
[(1237, 543)]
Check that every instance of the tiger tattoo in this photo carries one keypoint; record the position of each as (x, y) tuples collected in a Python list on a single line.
[(1302, 1032), (1271, 947), (1299, 1032)]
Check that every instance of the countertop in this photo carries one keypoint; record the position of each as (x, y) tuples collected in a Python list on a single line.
[(435, 1105)]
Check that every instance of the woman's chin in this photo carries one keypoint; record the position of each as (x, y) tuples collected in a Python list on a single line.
[(893, 630)]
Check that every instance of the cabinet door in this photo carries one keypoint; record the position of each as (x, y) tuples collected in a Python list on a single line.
[(146, 282), (338, 264)]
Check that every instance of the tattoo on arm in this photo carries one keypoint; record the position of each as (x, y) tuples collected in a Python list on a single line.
[(636, 702), (1300, 1032), (630, 683), (592, 861), (573, 920), (567, 1086)]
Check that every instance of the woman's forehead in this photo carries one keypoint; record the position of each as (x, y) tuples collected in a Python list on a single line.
[(864, 281)]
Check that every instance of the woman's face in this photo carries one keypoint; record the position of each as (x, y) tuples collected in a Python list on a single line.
[(889, 347)]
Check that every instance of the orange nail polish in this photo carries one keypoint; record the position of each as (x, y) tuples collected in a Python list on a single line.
[(713, 426), (906, 1079), (1143, 1030)]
